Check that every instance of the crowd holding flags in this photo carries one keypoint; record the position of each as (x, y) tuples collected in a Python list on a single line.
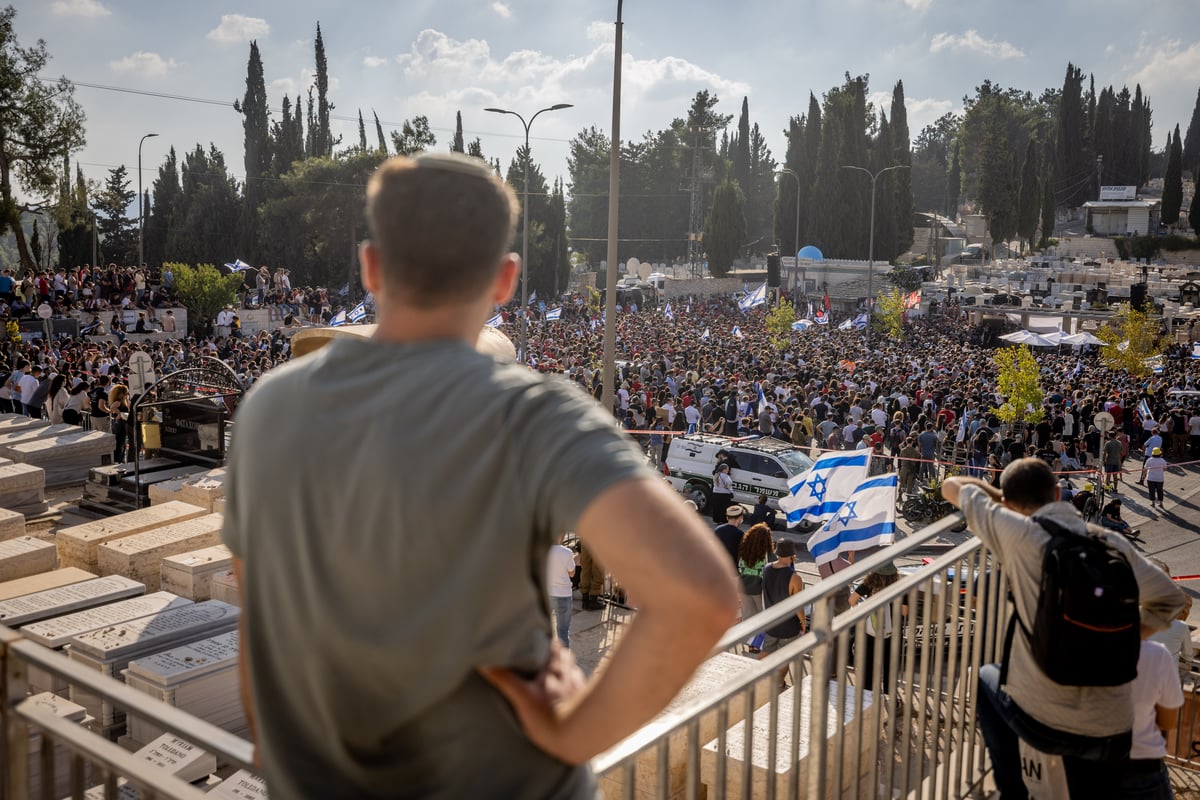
[(357, 314), (668, 313), (756, 298), (554, 314), (737, 332), (496, 321), (338, 319), (866, 519), (816, 495)]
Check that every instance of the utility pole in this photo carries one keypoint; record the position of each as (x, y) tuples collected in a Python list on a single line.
[(141, 204), (871, 242), (608, 373)]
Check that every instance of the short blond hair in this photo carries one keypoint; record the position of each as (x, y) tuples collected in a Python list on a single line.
[(442, 224)]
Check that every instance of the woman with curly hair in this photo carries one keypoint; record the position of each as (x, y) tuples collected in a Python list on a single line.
[(754, 553)]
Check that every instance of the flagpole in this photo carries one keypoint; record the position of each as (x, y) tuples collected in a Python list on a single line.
[(608, 374)]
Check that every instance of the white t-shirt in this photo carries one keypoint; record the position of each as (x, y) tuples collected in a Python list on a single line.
[(692, 415), (1156, 684), (1154, 466), (559, 566)]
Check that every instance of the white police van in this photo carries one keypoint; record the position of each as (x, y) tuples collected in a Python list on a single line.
[(758, 466)]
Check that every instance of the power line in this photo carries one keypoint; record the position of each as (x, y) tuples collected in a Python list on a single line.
[(228, 104)]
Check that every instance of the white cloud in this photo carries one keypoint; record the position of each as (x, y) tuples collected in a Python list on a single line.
[(502, 10), (599, 31), (79, 8), (374, 61), (143, 63), (292, 86), (238, 28), (1166, 67), (920, 6), (973, 42)]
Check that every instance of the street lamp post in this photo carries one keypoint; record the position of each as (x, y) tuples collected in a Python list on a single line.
[(525, 222), (871, 240), (141, 205), (796, 239)]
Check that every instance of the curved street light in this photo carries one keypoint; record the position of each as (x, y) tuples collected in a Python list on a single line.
[(871, 245), (141, 204), (525, 220)]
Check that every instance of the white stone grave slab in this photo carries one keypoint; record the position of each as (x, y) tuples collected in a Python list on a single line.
[(140, 556), (43, 581), (77, 544), (190, 574), (18, 611), (241, 785), (25, 556), (57, 632)]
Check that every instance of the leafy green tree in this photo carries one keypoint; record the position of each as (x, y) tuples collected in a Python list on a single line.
[(931, 153), (547, 225), (779, 324), (1017, 381), (475, 148), (1028, 199), (204, 226), (1172, 195), (726, 228), (1140, 333), (39, 123), (117, 231), (204, 291), (415, 136), (456, 144), (888, 314), (256, 128), (996, 195)]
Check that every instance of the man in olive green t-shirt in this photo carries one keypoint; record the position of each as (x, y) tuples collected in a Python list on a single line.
[(389, 506)]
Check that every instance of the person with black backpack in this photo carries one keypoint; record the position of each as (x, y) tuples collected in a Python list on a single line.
[(1079, 595)]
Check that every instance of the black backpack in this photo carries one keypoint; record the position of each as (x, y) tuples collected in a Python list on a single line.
[(1087, 627)]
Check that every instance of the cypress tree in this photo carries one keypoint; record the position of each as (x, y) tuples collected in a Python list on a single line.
[(1172, 196), (954, 180), (383, 148), (1048, 205), (323, 139), (741, 150), (1072, 128), (362, 132), (1027, 202), (1194, 209), (786, 191), (310, 129), (1191, 143), (902, 178), (725, 229), (257, 157), (456, 144), (886, 239)]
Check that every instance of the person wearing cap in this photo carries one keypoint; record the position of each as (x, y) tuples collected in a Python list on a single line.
[(781, 581), (441, 676), (1154, 475), (729, 534)]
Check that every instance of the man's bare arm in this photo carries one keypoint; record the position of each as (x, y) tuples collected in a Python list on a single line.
[(244, 660), (953, 485), (686, 594)]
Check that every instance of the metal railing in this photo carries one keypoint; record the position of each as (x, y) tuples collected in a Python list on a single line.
[(93, 760), (888, 716), (893, 720)]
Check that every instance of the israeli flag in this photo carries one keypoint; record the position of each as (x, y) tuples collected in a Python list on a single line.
[(860, 321), (819, 493), (533, 297), (762, 400), (668, 313), (238, 265), (358, 313), (496, 321), (338, 319), (554, 314), (1196, 350), (737, 332), (801, 325), (1143, 409), (821, 317), (867, 519), (756, 298), (810, 309), (704, 336), (845, 325)]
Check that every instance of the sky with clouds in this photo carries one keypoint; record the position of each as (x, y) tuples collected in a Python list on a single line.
[(435, 57)]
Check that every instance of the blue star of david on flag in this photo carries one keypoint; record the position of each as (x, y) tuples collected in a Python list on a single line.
[(866, 520), (847, 513), (830, 482)]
